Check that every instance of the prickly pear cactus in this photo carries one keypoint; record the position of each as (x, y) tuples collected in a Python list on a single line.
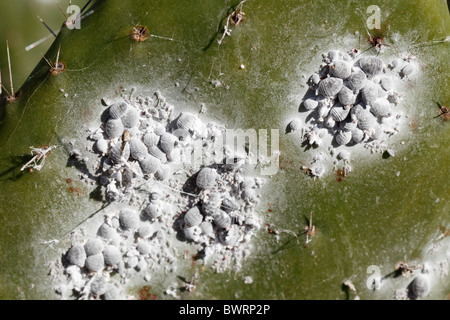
[(365, 226)]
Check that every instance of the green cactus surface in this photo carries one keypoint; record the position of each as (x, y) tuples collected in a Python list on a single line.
[(388, 209)]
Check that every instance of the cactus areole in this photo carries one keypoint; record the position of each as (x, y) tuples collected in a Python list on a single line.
[(116, 174)]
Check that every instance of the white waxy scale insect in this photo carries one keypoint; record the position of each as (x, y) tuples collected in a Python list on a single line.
[(151, 139), (346, 96), (372, 66), (310, 104), (222, 219), (343, 137), (339, 113), (143, 247), (112, 255), (357, 80), (152, 211), (131, 118), (118, 110), (407, 70), (348, 124), (168, 142), (207, 178), (357, 135), (421, 285), (114, 128), (295, 125), (95, 263), (369, 93), (340, 69), (119, 153), (186, 121), (210, 206), (381, 108), (93, 246), (101, 146), (157, 153), (76, 255), (138, 150), (128, 219)]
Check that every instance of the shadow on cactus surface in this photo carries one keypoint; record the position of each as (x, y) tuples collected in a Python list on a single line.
[(386, 210)]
